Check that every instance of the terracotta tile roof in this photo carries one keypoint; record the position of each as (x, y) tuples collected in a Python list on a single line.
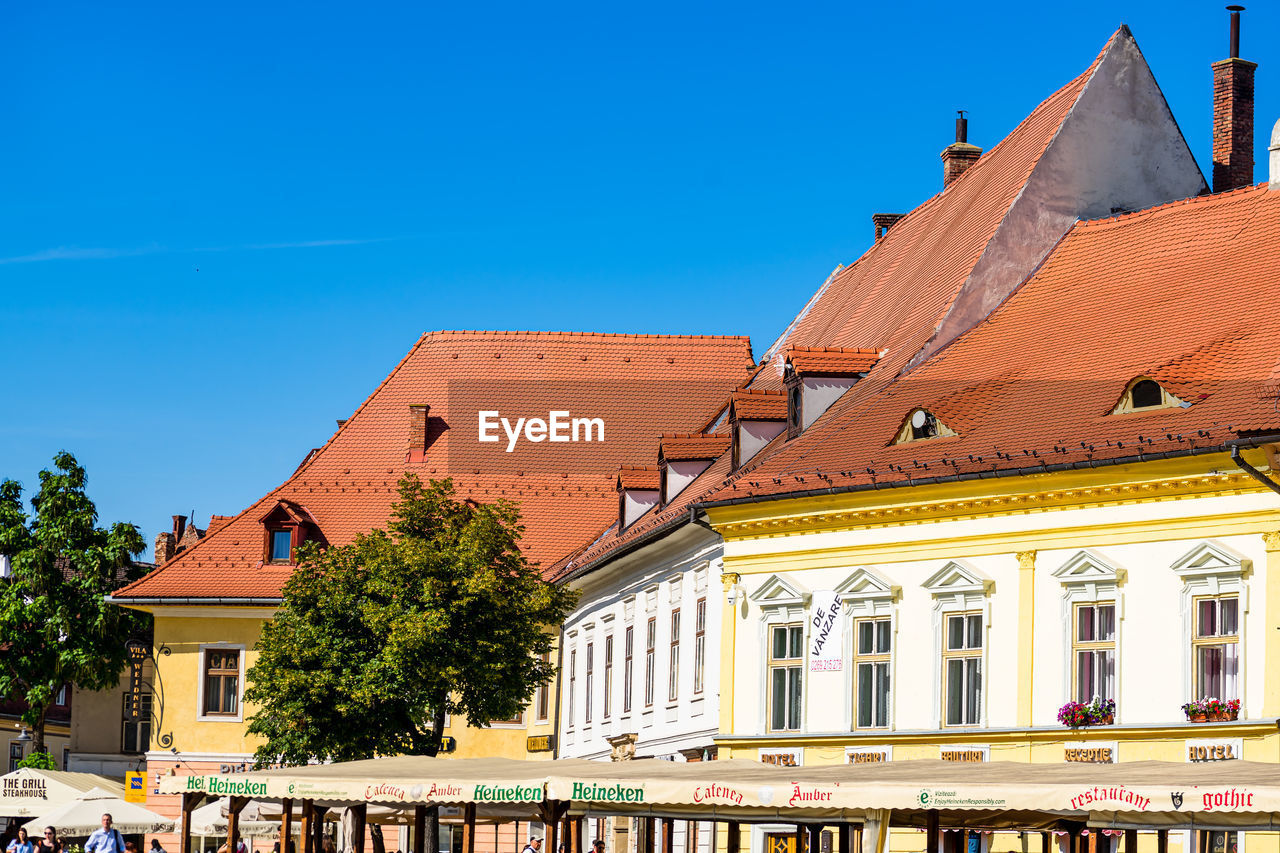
[(641, 385), (692, 446), (1170, 292), (818, 361), (894, 297), (639, 477), (887, 304), (759, 405)]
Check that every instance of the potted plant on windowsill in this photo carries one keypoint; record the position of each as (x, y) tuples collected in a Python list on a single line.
[(1212, 710), (1078, 715)]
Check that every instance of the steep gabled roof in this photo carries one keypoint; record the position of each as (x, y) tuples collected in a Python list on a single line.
[(639, 385), (1171, 291), (957, 255)]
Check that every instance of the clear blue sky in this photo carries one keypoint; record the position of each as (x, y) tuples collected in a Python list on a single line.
[(225, 223)]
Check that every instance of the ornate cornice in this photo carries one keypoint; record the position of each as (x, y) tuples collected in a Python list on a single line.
[(1204, 485)]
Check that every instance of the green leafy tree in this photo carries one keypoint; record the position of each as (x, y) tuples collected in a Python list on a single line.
[(378, 640), (55, 626)]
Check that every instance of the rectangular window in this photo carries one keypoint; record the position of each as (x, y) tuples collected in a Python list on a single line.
[(871, 658), (221, 681), (699, 645), (1215, 647), (542, 701), (589, 676), (1094, 651), (281, 546), (962, 669), (673, 674), (62, 696), (15, 755), (786, 676), (573, 683), (628, 667), (608, 676), (135, 736), (650, 639)]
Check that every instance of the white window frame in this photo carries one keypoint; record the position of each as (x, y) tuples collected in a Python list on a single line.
[(781, 601), (1213, 569), (1089, 577), (201, 716), (958, 587), (867, 594)]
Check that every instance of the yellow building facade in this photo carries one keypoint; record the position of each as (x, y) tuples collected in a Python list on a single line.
[(968, 615)]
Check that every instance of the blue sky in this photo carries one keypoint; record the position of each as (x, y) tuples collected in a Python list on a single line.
[(225, 223)]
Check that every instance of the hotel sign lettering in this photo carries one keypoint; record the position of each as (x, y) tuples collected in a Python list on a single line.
[(1212, 752), (781, 759), (969, 756)]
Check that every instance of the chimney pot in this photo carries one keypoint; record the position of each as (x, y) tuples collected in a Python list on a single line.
[(1235, 30), (962, 127), (1233, 115)]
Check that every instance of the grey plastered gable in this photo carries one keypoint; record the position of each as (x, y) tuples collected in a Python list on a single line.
[(1118, 149)]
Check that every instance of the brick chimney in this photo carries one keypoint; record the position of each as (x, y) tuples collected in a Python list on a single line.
[(165, 548), (1233, 115), (959, 155), (418, 430), (883, 222)]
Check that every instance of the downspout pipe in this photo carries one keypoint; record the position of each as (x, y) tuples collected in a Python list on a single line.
[(1251, 471)]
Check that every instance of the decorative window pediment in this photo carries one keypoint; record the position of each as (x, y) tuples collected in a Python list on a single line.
[(1091, 575), (1212, 566), (779, 596), (867, 592), (958, 584)]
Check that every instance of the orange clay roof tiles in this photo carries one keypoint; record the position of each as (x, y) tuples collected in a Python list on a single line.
[(760, 405), (1170, 292), (682, 447), (639, 477), (640, 385), (887, 304), (894, 296), (831, 360)]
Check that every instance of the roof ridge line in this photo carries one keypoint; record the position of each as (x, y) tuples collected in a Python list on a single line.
[(548, 333)]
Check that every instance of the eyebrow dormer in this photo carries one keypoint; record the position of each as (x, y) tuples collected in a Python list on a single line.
[(681, 458), (284, 529), (755, 419), (638, 492), (817, 376), (1144, 393)]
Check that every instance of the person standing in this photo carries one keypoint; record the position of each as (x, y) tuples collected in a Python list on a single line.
[(51, 843), (21, 844), (534, 845), (105, 840), (155, 846)]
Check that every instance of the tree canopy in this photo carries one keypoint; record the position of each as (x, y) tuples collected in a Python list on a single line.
[(377, 640), (55, 626)]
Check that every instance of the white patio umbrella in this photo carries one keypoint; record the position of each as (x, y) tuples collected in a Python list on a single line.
[(83, 815), (211, 819)]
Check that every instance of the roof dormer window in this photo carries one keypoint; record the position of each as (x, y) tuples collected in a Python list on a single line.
[(1145, 393), (285, 528), (920, 425), (818, 376)]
